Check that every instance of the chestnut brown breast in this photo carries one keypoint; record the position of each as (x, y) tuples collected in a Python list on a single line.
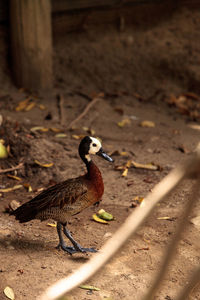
[(95, 180)]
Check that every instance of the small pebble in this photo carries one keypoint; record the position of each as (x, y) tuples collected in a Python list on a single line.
[(107, 235), (10, 247), (14, 204)]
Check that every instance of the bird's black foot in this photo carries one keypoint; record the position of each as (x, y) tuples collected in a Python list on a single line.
[(92, 250), (72, 250)]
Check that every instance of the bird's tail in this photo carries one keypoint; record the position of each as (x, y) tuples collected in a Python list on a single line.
[(24, 213)]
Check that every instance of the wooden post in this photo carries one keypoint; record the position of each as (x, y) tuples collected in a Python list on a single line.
[(31, 42)]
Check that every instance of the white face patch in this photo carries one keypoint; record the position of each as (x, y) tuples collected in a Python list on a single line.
[(95, 146), (88, 157)]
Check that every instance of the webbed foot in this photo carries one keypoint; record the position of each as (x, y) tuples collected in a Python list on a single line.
[(72, 250)]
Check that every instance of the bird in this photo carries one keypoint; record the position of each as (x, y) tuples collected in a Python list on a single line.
[(69, 197)]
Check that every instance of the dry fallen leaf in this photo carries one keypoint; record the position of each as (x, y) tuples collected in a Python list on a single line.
[(77, 137), (114, 152), (9, 293), (163, 218), (42, 107), (39, 190), (146, 123), (186, 104), (39, 128), (22, 104), (99, 220), (89, 287), (43, 165), (138, 198), (137, 201), (123, 153), (125, 172), (128, 164), (119, 167), (117, 152), (124, 122), (89, 131), (145, 166), (173, 100), (54, 129), (124, 168), (15, 187), (28, 187), (60, 135), (44, 129), (194, 126), (167, 218), (51, 224), (14, 204), (30, 106), (14, 177), (36, 128)]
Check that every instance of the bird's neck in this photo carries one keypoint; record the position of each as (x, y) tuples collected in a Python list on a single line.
[(92, 170), (94, 175)]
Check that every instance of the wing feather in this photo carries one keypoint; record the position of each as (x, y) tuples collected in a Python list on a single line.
[(59, 195)]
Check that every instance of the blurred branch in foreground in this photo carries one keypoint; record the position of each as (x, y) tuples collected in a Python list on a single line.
[(187, 170)]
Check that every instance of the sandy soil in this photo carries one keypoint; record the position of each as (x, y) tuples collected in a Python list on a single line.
[(137, 71)]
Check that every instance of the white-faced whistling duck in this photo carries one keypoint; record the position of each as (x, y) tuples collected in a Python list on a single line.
[(69, 197)]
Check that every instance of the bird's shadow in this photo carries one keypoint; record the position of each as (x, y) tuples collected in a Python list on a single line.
[(78, 258), (36, 245), (22, 244)]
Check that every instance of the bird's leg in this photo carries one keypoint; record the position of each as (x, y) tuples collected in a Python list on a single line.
[(77, 247), (62, 244), (61, 240)]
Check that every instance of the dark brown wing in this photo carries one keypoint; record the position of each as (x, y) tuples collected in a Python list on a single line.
[(59, 195)]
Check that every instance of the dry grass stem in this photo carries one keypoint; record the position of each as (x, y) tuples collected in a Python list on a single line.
[(11, 169)]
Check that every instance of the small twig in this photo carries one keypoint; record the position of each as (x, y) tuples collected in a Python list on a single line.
[(83, 95), (131, 224), (61, 108), (11, 169), (85, 111)]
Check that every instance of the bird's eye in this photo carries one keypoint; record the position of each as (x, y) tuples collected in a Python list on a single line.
[(94, 145)]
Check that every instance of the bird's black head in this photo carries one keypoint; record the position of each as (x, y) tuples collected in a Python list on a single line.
[(90, 145), (84, 146)]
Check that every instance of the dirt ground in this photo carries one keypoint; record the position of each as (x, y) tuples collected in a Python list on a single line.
[(137, 70)]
